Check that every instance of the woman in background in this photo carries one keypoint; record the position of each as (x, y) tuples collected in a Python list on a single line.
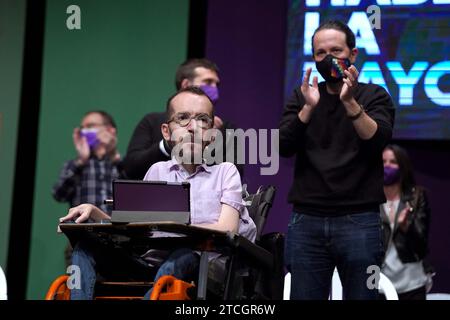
[(406, 221)]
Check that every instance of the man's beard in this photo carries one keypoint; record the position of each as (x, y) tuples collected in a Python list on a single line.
[(189, 150)]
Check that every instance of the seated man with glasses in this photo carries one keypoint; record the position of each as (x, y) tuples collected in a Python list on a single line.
[(216, 200), (147, 145)]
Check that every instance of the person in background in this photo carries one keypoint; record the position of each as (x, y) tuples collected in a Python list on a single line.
[(406, 222), (88, 177), (147, 145)]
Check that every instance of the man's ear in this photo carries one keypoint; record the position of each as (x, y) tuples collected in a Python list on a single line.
[(353, 55), (165, 131), (185, 83)]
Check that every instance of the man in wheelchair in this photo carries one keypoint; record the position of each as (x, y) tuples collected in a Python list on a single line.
[(216, 202)]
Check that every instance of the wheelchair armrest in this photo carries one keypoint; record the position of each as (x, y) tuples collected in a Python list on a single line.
[(253, 253)]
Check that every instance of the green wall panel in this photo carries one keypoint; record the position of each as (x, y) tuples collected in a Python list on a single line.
[(12, 28), (122, 60)]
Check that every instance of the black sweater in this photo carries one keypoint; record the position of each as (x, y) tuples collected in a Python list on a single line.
[(336, 172), (143, 150)]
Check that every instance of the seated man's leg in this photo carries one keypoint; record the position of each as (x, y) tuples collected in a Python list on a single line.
[(93, 258), (182, 263), (82, 257)]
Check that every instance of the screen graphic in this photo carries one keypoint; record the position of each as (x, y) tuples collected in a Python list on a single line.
[(404, 47)]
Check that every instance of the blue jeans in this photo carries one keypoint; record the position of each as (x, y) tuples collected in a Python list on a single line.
[(115, 264), (316, 245), (182, 263)]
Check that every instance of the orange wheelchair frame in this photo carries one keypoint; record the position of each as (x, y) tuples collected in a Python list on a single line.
[(166, 288)]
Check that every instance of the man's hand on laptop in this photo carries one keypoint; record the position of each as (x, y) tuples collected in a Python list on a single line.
[(84, 212)]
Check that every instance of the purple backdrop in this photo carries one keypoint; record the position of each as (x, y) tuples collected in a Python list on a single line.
[(247, 41)]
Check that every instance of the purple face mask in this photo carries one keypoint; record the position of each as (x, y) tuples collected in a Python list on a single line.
[(211, 92), (91, 137), (391, 175)]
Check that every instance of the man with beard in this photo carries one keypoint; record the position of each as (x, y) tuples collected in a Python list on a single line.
[(147, 145), (216, 199), (337, 129)]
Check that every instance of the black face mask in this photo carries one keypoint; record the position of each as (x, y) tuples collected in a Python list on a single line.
[(332, 68)]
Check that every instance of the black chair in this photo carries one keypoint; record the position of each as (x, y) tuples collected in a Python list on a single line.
[(259, 282), (258, 206)]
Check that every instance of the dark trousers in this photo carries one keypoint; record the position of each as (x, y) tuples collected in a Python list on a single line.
[(315, 245), (95, 259)]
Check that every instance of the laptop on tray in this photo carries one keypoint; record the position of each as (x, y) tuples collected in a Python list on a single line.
[(150, 201)]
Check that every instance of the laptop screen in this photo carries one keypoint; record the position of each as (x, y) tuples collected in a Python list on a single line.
[(130, 195)]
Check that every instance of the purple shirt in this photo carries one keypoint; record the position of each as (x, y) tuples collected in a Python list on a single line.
[(211, 186)]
